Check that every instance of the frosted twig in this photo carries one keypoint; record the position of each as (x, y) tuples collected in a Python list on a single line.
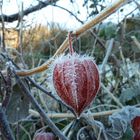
[(42, 100), (67, 128), (107, 54), (137, 43), (102, 69), (25, 131), (70, 44), (79, 132), (4, 126), (103, 105), (138, 5), (70, 115)]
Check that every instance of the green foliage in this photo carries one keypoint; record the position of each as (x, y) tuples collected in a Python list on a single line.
[(108, 30)]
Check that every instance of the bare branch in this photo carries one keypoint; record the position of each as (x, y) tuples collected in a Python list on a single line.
[(71, 13), (4, 126), (14, 17), (138, 5)]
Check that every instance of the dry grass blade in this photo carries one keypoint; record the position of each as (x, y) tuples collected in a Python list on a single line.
[(70, 115), (137, 43)]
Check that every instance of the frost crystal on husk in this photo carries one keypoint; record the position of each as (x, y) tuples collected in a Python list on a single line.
[(75, 80)]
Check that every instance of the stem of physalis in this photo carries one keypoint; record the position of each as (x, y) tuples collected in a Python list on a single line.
[(70, 43)]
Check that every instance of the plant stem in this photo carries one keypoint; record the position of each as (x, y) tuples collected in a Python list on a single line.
[(108, 53), (4, 126), (39, 109), (70, 115), (70, 43)]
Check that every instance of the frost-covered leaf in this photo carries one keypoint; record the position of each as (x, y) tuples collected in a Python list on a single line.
[(18, 106), (108, 30), (120, 121), (129, 93), (120, 125)]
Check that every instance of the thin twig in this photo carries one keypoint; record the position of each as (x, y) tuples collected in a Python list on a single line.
[(101, 16), (71, 13), (25, 131), (38, 108), (40, 5), (107, 54), (70, 115), (138, 5), (8, 89), (3, 27), (137, 43), (4, 126), (43, 102), (20, 32)]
